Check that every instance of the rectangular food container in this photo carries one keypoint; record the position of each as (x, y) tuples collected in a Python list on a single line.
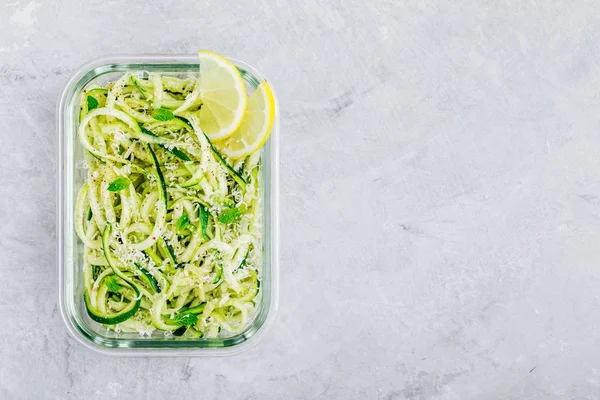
[(71, 176)]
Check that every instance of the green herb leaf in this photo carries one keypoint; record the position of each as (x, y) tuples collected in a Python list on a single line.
[(186, 319), (92, 103), (112, 285), (182, 223), (118, 184), (229, 215), (162, 114), (204, 214)]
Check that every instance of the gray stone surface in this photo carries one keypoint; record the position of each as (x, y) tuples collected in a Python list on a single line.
[(440, 187)]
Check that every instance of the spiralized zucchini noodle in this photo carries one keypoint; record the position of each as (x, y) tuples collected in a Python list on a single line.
[(171, 229)]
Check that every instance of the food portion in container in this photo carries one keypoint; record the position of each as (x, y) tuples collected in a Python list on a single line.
[(170, 214)]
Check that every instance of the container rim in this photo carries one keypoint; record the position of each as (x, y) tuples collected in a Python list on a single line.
[(88, 69)]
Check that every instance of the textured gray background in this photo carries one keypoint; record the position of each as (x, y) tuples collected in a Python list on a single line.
[(440, 187)]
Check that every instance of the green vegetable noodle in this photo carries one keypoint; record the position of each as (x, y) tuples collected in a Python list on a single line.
[(171, 228)]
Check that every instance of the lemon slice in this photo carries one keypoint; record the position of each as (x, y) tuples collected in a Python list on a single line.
[(256, 125), (221, 91)]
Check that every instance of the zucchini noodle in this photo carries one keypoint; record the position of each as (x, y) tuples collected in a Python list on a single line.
[(171, 231)]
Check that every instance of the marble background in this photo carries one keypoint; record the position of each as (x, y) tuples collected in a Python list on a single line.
[(440, 189)]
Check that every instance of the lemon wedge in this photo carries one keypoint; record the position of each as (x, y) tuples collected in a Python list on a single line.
[(221, 91), (255, 127)]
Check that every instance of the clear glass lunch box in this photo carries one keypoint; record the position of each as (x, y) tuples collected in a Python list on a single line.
[(71, 176)]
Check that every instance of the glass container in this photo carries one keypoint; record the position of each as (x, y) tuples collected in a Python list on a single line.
[(71, 175)]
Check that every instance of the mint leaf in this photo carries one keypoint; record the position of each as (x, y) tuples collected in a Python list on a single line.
[(91, 103), (118, 184), (230, 215), (186, 319), (182, 223), (162, 114), (204, 221), (112, 285)]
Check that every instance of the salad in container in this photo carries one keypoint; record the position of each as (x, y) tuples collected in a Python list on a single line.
[(167, 220)]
